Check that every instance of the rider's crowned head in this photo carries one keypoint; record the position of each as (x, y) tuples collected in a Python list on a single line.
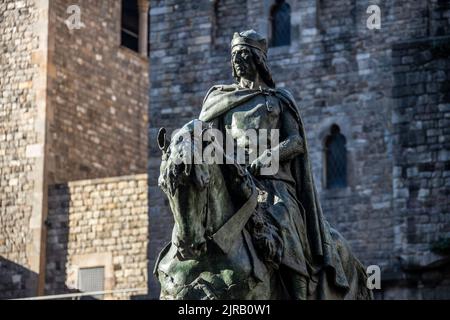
[(249, 54)]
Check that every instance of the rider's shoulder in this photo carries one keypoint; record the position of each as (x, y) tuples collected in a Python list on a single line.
[(218, 88), (222, 87), (285, 93), (288, 100)]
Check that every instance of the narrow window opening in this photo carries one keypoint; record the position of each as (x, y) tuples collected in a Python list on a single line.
[(130, 25), (336, 159), (280, 18)]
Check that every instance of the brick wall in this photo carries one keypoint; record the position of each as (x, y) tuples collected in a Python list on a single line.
[(97, 94), (340, 73), (23, 43), (100, 222)]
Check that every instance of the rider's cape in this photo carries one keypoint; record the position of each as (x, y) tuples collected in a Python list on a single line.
[(223, 98)]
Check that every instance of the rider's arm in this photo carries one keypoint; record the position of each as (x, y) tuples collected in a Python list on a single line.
[(292, 143), (288, 148)]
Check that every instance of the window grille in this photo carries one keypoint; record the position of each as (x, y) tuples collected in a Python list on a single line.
[(92, 280)]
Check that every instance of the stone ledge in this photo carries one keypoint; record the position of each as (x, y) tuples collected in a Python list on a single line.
[(140, 176)]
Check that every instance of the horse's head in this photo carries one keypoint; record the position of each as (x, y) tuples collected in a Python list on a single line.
[(185, 184)]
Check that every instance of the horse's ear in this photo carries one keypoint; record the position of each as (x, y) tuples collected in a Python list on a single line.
[(162, 141)]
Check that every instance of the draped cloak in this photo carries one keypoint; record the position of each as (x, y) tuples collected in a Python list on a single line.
[(223, 98)]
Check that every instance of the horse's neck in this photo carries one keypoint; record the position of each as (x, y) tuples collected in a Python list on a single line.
[(220, 206)]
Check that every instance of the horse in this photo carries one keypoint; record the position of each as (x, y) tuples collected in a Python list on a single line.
[(208, 257), (212, 253)]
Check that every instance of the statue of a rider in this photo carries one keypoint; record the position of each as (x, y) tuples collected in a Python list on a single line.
[(306, 256)]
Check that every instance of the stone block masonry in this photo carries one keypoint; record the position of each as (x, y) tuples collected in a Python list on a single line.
[(421, 169), (23, 84), (73, 105), (98, 96), (339, 72), (98, 223)]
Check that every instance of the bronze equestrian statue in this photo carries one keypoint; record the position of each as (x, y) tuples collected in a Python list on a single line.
[(241, 233)]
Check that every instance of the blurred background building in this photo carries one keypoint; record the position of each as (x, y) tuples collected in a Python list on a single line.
[(82, 100)]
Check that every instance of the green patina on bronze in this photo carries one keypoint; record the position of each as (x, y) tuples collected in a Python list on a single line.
[(239, 234)]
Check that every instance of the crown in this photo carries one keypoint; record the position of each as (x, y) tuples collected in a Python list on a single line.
[(249, 38)]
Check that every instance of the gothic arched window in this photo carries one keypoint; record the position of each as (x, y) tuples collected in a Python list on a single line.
[(280, 18), (335, 159)]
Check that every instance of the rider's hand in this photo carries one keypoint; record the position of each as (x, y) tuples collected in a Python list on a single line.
[(260, 162), (255, 167)]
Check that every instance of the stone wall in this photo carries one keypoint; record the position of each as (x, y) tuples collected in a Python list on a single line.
[(23, 46), (421, 173), (339, 71), (97, 94), (74, 105), (101, 222)]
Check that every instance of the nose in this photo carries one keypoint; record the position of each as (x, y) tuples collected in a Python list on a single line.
[(238, 57)]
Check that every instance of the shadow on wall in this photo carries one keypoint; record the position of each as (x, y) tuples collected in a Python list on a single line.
[(57, 242), (57, 239), (156, 229), (160, 217), (16, 281)]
